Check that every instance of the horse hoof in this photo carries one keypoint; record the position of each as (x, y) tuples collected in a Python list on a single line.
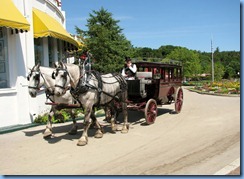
[(124, 131), (98, 135), (47, 134), (81, 143)]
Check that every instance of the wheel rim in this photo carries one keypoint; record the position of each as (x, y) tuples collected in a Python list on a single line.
[(179, 100), (151, 112)]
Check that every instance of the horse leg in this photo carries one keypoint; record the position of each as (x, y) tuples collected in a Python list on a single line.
[(87, 122), (113, 119), (107, 114), (125, 127), (74, 128), (99, 132), (48, 131)]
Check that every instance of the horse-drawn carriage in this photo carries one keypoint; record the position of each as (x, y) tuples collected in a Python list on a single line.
[(155, 84)]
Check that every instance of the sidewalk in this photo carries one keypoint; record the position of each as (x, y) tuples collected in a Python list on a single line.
[(231, 169)]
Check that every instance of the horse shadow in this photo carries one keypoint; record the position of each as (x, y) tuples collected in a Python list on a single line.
[(61, 132)]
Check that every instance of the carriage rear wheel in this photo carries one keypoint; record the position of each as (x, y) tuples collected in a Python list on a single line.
[(151, 111), (178, 100)]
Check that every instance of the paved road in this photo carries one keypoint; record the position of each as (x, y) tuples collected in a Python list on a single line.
[(201, 140)]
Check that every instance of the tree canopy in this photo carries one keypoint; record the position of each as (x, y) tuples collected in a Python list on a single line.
[(105, 40)]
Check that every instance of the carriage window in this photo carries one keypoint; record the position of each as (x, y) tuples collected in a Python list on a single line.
[(156, 73), (140, 69), (4, 74), (166, 75), (38, 51), (163, 73)]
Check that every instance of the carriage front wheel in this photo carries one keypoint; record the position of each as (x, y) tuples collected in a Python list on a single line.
[(178, 100), (151, 111)]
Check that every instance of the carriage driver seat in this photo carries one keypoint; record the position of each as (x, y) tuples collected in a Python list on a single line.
[(145, 78)]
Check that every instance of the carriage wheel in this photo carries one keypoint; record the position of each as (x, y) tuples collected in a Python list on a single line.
[(178, 100), (151, 111)]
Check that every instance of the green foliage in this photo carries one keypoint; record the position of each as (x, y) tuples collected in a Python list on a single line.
[(226, 64), (190, 61), (60, 117), (227, 61), (105, 41)]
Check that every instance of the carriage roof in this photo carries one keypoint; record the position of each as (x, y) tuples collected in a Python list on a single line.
[(158, 64)]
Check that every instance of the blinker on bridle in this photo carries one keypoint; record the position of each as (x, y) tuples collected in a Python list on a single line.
[(36, 77), (64, 76)]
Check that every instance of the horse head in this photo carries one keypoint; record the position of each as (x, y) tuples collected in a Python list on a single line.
[(62, 79), (35, 80)]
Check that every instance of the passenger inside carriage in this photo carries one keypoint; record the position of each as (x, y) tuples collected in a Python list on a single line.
[(129, 70)]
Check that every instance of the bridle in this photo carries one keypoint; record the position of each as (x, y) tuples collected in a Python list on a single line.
[(37, 78), (64, 76)]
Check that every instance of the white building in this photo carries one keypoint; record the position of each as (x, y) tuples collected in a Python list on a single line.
[(31, 31)]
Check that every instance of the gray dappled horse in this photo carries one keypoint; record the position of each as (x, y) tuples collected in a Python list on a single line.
[(42, 76), (92, 89)]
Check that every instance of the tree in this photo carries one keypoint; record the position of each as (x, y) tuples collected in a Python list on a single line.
[(190, 61), (104, 39)]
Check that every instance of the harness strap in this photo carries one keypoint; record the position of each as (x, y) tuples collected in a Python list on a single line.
[(48, 94)]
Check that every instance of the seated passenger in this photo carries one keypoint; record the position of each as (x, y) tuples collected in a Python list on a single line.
[(129, 70)]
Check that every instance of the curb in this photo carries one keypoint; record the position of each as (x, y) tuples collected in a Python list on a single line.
[(8, 129), (214, 94), (13, 128), (229, 168)]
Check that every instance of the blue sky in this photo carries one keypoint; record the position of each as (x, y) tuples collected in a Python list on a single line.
[(152, 23)]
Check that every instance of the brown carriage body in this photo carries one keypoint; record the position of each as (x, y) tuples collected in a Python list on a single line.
[(155, 84)]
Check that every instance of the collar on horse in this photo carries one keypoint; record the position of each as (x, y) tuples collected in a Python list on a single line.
[(83, 85)]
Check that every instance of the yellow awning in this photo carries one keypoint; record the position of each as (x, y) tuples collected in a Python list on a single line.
[(44, 26), (11, 17)]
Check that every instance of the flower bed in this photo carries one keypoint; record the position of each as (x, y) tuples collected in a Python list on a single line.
[(221, 87)]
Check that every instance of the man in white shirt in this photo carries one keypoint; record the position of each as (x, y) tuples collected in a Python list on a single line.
[(129, 70)]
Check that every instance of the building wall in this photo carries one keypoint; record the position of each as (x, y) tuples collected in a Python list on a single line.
[(16, 106)]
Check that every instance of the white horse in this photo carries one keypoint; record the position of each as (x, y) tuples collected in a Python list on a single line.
[(42, 76), (92, 89)]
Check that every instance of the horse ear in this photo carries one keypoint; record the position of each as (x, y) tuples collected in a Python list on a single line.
[(33, 68), (60, 64), (56, 64), (38, 65)]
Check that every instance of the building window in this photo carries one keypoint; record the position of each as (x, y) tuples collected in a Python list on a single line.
[(4, 76), (59, 49), (38, 51), (51, 51)]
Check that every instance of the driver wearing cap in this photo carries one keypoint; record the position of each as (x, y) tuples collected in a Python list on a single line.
[(129, 70)]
